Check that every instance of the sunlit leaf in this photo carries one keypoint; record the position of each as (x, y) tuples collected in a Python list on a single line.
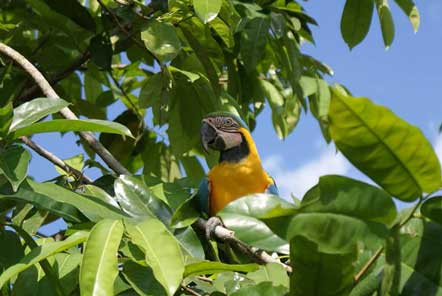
[(162, 252), (390, 151), (32, 111), (167, 46), (99, 265), (69, 125), (386, 20), (207, 10), (208, 267)]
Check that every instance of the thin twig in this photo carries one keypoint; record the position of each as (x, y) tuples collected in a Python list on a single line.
[(226, 235), (55, 160), (117, 22), (367, 265), (189, 290), (107, 157)]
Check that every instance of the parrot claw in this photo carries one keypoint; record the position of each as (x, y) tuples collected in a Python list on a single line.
[(211, 225)]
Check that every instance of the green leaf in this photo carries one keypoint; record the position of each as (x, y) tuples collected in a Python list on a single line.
[(32, 111), (186, 213), (346, 196), (254, 232), (6, 117), (162, 251), (266, 288), (161, 40), (271, 272), (393, 153), (386, 20), (137, 200), (63, 202), (190, 75), (99, 266), (253, 41), (276, 102), (421, 259), (74, 11), (392, 268), (190, 244), (42, 252), (432, 208), (14, 161), (150, 94), (317, 273), (11, 249), (142, 280), (207, 10), (209, 267), (410, 9), (101, 51), (70, 125), (76, 162), (355, 21)]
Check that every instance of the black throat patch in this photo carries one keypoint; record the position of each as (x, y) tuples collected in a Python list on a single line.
[(235, 154)]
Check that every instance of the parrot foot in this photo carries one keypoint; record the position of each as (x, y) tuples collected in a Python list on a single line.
[(212, 223)]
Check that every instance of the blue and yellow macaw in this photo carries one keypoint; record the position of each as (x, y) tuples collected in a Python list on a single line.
[(239, 171)]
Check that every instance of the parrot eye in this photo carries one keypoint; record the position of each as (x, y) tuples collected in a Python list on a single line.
[(229, 121)]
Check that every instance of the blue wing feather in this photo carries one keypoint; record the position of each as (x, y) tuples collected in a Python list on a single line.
[(272, 188), (203, 195)]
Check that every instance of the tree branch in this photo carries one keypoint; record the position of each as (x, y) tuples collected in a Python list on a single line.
[(55, 160), (107, 157), (226, 235)]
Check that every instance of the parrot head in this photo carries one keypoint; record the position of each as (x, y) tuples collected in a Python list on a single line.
[(221, 131)]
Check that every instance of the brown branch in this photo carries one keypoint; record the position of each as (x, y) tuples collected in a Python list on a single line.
[(107, 157), (189, 290), (226, 235), (55, 160)]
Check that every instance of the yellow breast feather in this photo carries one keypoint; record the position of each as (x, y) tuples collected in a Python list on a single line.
[(231, 180)]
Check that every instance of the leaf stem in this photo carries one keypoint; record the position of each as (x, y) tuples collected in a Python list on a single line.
[(367, 265)]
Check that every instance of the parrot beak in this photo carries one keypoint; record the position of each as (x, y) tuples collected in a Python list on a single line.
[(208, 135)]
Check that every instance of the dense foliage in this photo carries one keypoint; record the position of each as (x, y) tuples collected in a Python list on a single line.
[(170, 63)]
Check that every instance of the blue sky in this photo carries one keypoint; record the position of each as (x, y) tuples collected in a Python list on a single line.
[(406, 78)]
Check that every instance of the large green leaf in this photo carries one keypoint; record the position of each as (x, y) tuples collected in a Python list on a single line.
[(338, 213), (208, 267), (346, 196), (355, 21), (42, 252), (317, 273), (14, 161), (207, 10), (162, 251), (393, 153), (70, 125), (161, 40), (392, 268), (253, 41), (386, 20), (99, 266), (137, 200), (67, 204), (410, 9), (432, 208), (32, 111)]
